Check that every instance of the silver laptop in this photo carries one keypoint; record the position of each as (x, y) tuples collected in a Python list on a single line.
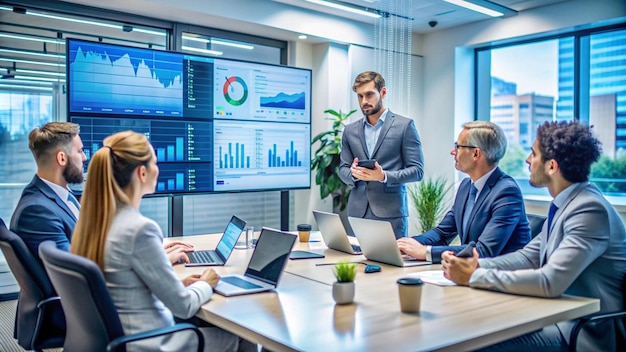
[(265, 268), (378, 242), (333, 232), (224, 248)]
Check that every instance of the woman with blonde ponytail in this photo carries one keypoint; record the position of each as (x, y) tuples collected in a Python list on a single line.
[(128, 247)]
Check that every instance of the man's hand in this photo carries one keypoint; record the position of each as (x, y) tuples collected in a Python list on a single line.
[(365, 174), (411, 247), (459, 270)]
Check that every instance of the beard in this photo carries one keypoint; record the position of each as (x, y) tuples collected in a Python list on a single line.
[(538, 178), (73, 174), (375, 110)]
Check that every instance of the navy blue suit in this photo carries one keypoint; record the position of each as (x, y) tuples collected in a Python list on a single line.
[(42, 215), (497, 224)]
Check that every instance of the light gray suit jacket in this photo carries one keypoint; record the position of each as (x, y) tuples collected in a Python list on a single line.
[(398, 151), (143, 285), (585, 255)]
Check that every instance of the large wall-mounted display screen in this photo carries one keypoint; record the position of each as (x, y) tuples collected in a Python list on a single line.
[(216, 125)]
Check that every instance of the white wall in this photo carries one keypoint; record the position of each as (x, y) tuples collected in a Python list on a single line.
[(447, 101)]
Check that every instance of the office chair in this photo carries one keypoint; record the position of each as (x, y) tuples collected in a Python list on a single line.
[(92, 319), (535, 221), (39, 320), (619, 319)]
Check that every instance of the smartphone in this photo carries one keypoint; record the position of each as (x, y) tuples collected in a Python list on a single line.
[(467, 252), (369, 164)]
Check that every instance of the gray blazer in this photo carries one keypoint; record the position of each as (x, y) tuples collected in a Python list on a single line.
[(398, 151), (585, 255), (142, 282)]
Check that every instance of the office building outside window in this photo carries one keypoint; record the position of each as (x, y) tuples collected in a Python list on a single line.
[(581, 76)]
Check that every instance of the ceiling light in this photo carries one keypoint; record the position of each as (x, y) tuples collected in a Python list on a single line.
[(484, 7), (219, 42), (32, 62), (196, 39), (233, 44), (36, 72), (204, 51), (347, 8), (31, 38), (94, 23), (49, 89), (45, 79), (35, 53), (302, 36)]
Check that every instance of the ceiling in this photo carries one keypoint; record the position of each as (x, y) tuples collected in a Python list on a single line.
[(422, 12), (246, 15)]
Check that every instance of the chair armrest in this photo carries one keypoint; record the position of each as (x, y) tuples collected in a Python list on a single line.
[(581, 323), (41, 309), (115, 344), (40, 304)]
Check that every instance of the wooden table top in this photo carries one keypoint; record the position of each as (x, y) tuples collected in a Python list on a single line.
[(301, 314)]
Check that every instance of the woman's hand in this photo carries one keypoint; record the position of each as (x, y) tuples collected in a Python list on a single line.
[(176, 253)]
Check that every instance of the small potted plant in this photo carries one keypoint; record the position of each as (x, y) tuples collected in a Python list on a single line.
[(343, 289)]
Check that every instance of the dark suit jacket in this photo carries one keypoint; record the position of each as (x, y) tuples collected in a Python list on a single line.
[(398, 151), (41, 215), (497, 224)]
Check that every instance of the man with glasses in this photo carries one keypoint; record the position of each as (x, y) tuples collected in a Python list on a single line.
[(47, 209), (580, 251), (488, 208)]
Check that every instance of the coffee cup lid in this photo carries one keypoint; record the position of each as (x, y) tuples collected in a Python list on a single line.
[(410, 281), (304, 227)]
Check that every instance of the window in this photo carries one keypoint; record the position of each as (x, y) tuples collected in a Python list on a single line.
[(578, 76)]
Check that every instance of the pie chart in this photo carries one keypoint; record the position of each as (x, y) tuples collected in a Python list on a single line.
[(235, 91)]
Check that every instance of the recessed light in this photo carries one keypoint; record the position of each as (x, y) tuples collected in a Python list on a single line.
[(302, 36)]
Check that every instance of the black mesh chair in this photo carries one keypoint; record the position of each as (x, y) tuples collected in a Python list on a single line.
[(92, 319), (535, 221), (619, 321), (39, 320)]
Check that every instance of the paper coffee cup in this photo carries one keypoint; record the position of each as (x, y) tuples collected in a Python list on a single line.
[(410, 292), (304, 232)]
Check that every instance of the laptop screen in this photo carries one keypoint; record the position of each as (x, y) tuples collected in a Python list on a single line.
[(229, 239), (270, 255)]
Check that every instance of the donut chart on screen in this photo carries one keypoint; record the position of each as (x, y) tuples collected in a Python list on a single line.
[(237, 85)]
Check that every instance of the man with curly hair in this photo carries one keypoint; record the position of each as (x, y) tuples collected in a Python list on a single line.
[(581, 249)]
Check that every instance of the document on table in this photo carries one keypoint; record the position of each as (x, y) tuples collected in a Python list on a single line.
[(434, 277)]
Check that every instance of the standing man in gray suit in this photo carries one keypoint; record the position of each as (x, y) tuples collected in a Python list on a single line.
[(581, 249), (379, 191)]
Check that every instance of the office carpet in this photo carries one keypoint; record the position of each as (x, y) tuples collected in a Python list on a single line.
[(7, 319)]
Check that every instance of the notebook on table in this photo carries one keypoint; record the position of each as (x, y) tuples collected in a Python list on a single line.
[(224, 248), (334, 233), (378, 242), (265, 267)]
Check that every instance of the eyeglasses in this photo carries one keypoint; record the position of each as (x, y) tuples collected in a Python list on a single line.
[(457, 146)]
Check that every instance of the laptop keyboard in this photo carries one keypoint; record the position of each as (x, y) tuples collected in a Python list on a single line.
[(235, 281), (203, 257), (356, 248)]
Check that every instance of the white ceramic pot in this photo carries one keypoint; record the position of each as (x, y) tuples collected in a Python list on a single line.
[(343, 292)]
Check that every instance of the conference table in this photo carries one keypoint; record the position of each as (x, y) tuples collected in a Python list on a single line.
[(300, 315)]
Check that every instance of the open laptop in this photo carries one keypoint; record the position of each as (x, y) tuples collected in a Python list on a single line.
[(378, 242), (333, 232), (224, 248), (265, 268)]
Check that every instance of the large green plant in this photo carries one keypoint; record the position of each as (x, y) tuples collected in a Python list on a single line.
[(429, 200), (326, 160)]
